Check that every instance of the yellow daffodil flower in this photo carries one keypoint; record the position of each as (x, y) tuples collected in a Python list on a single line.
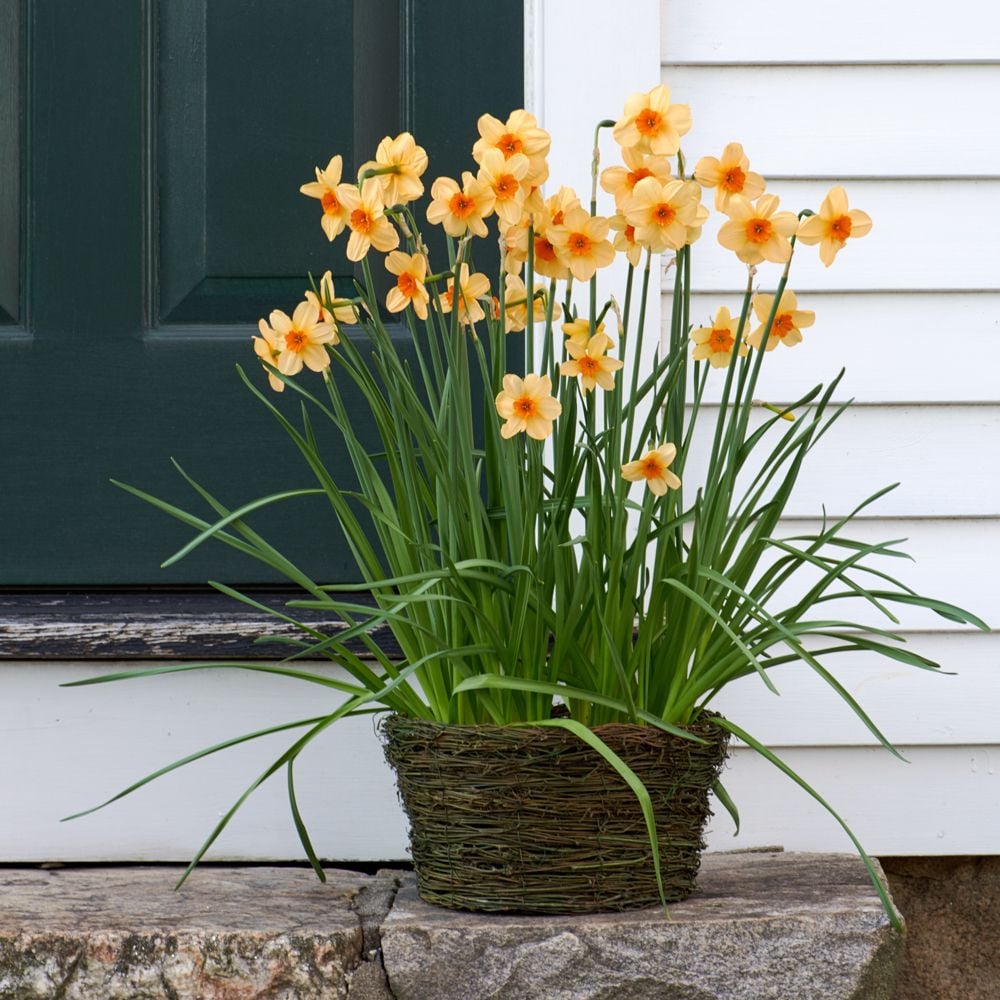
[(833, 225), (527, 405), (505, 178), (661, 213), (407, 161), (654, 468), (624, 239), (300, 339), (715, 343), (621, 181), (700, 215), (519, 134), (591, 364), (325, 189), (367, 221), (729, 174), (515, 243), (788, 321), (471, 287), (548, 261), (460, 210), (410, 271), (580, 241), (266, 348), (577, 331), (515, 305), (345, 314), (651, 124), (758, 232)]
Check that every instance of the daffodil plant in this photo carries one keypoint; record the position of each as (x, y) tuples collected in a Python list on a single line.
[(533, 533)]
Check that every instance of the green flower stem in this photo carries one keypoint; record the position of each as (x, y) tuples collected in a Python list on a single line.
[(615, 404), (549, 360), (529, 329), (595, 162), (779, 291), (377, 172), (632, 448), (727, 388)]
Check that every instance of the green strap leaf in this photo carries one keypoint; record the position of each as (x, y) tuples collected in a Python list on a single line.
[(236, 515), (300, 827), (727, 803), (714, 615), (193, 757), (178, 668)]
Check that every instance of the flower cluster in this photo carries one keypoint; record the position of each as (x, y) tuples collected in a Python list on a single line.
[(657, 209)]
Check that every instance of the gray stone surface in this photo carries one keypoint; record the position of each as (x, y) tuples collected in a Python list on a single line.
[(229, 934), (368, 981), (781, 926)]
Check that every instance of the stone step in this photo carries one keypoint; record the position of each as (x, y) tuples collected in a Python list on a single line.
[(786, 926)]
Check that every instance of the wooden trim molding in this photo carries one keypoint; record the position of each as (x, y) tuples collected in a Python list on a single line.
[(153, 625)]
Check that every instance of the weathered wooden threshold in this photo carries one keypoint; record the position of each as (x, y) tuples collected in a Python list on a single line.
[(173, 624)]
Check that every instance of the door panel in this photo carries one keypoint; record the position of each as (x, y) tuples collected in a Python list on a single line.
[(11, 102), (164, 146), (248, 99)]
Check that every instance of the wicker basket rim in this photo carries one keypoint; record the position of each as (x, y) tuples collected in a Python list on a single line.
[(704, 725)]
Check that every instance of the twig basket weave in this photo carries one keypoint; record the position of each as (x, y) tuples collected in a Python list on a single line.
[(533, 820)]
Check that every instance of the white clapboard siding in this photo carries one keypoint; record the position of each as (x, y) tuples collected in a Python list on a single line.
[(844, 121), (846, 31), (897, 348), (893, 106), (946, 801), (76, 747), (949, 560), (957, 703), (926, 236), (928, 450)]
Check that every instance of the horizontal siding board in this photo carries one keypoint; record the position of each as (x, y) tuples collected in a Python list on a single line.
[(935, 452), (901, 253), (843, 121), (852, 31), (76, 747), (902, 348), (912, 706), (952, 561), (946, 800)]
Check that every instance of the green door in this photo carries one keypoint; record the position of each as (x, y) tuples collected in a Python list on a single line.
[(150, 160)]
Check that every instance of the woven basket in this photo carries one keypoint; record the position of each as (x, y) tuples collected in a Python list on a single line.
[(512, 819)]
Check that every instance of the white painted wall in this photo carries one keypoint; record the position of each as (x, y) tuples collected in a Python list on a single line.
[(894, 106)]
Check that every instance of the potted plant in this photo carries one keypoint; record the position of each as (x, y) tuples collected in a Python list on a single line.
[(567, 593)]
